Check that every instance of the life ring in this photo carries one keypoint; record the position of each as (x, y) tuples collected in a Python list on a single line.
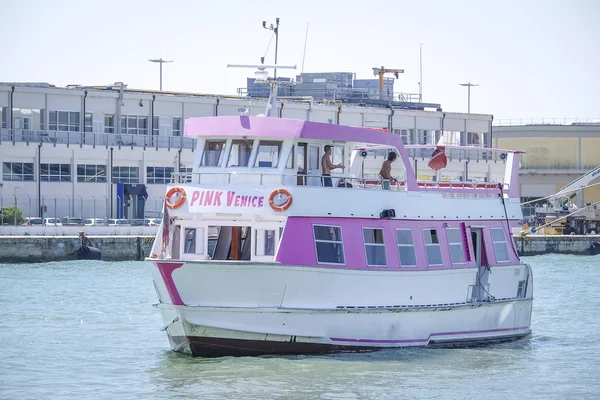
[(278, 204), (179, 202)]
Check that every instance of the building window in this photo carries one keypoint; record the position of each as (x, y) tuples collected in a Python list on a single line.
[(404, 134), (176, 126), (91, 173), (88, 122), (126, 175), (268, 154), (64, 121), (212, 153), (134, 124), (55, 172), (329, 244), (500, 247), (455, 242), (190, 240), (3, 117), (406, 247), (240, 153), (432, 247), (28, 118), (155, 125), (17, 171), (109, 123), (265, 242), (374, 247), (158, 174)]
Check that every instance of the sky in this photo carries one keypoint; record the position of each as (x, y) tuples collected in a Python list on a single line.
[(531, 58)]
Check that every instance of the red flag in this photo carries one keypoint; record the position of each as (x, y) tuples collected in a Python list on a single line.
[(438, 158)]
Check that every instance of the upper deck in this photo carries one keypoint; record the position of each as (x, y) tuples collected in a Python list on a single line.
[(277, 151)]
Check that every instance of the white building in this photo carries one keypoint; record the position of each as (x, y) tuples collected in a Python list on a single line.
[(64, 150)]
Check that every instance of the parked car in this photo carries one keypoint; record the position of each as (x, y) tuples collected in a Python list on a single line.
[(152, 221), (72, 221), (94, 221), (52, 222), (117, 222), (32, 221)]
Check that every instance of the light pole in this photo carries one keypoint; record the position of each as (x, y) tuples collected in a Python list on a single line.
[(15, 194), (160, 61), (420, 73), (468, 85), (275, 30)]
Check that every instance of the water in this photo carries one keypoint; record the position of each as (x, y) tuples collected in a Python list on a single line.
[(87, 330)]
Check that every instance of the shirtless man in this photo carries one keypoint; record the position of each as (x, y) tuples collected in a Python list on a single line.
[(386, 170), (327, 166)]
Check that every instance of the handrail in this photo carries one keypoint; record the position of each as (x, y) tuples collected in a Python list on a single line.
[(95, 139), (546, 121), (364, 183)]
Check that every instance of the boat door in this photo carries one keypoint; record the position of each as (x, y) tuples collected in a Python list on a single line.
[(301, 163), (481, 288), (314, 165)]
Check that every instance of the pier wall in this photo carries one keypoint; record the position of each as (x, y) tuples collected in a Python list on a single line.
[(59, 248), (131, 248)]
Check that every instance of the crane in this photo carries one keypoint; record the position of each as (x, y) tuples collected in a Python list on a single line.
[(381, 71)]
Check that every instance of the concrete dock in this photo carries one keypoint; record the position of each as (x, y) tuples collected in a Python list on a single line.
[(132, 248)]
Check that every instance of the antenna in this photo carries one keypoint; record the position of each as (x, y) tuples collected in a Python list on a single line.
[(263, 76), (420, 72), (304, 54)]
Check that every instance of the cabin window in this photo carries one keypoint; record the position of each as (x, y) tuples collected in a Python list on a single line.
[(374, 247), (455, 242), (337, 154), (500, 247), (329, 245), (212, 153), (265, 242), (190, 240), (290, 160), (432, 247), (268, 154), (406, 247), (240, 153)]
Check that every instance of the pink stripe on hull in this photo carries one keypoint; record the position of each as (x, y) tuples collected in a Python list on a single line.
[(166, 271)]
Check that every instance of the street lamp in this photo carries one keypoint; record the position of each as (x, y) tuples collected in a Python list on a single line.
[(160, 61), (468, 85), (275, 30), (15, 194)]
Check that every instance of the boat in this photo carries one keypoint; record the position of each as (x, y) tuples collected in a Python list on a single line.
[(255, 256)]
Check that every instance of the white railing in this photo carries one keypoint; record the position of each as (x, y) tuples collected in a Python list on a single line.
[(96, 139), (546, 121), (339, 181)]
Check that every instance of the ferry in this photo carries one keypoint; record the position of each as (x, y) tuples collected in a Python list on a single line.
[(256, 256)]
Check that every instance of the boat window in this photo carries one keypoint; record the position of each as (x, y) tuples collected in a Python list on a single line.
[(337, 154), (265, 242), (212, 153), (290, 160), (240, 153), (432, 247), (190, 240), (374, 247), (329, 245), (500, 248), (406, 247), (268, 154), (457, 252)]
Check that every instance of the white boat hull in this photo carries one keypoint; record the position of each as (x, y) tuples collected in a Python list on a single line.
[(220, 316), (214, 332)]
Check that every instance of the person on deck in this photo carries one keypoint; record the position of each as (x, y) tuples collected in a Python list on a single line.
[(327, 166), (386, 171)]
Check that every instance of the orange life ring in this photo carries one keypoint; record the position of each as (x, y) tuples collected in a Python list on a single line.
[(179, 202), (280, 207)]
